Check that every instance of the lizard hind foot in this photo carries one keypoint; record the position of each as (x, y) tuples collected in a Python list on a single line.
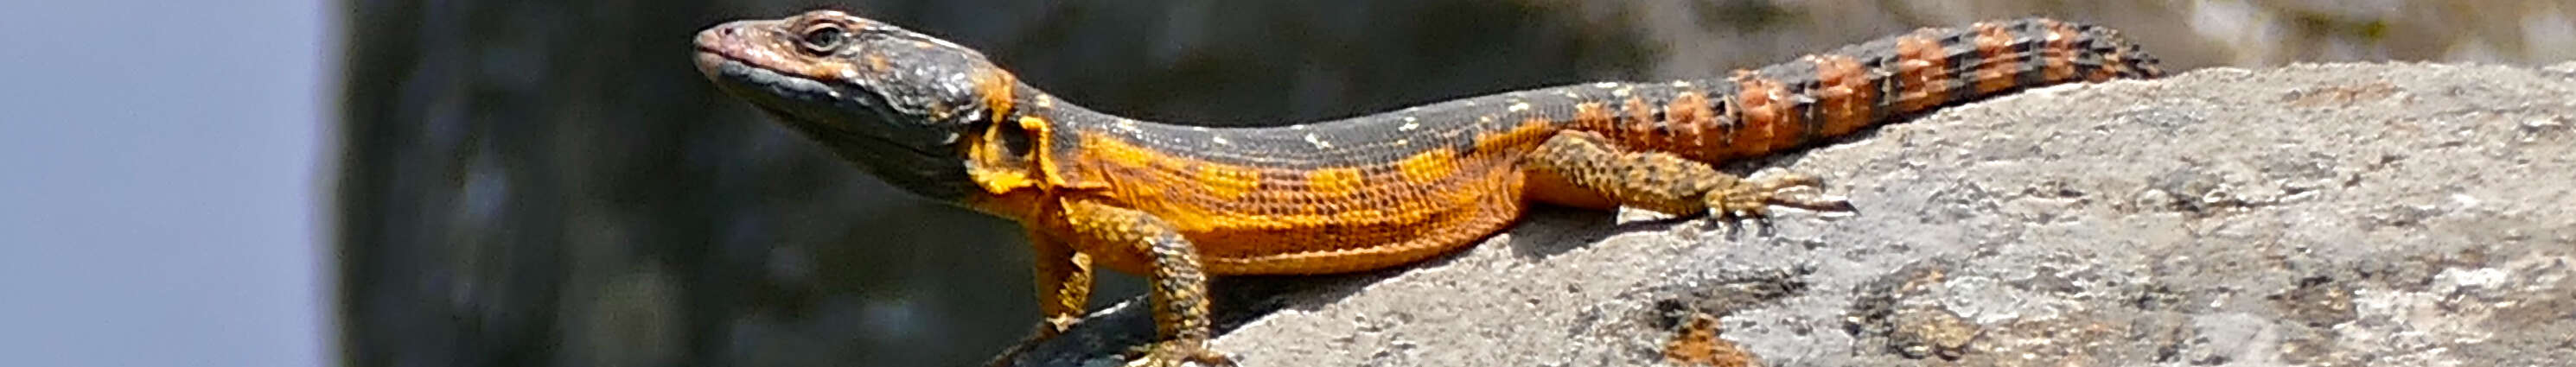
[(1753, 197)]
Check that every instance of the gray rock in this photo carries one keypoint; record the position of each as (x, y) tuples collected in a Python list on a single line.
[(2313, 215)]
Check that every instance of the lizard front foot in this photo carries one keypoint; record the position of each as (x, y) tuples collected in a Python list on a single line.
[(1173, 353)]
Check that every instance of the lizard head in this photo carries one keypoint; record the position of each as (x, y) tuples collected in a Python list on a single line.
[(899, 104)]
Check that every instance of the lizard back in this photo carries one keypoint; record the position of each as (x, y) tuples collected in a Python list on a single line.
[(1394, 187)]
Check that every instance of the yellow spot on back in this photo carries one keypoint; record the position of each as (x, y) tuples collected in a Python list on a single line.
[(1428, 166), (1228, 182), (1334, 181), (1110, 153)]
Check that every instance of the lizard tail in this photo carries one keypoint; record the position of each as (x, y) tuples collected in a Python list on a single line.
[(1831, 94)]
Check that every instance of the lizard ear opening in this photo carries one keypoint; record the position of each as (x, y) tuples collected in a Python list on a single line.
[(1001, 156), (1016, 139)]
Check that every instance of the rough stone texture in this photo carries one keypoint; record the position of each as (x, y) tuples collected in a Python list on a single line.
[(550, 183), (2313, 215)]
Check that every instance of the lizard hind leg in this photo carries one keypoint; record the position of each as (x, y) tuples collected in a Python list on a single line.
[(1670, 184)]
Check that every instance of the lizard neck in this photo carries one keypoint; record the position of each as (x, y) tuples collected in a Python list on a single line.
[(1033, 153)]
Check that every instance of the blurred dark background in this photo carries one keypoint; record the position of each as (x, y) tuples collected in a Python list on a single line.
[(551, 183)]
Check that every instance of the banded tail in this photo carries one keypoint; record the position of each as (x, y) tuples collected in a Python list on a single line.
[(1831, 94)]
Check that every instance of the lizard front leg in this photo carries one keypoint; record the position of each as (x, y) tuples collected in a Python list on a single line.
[(1063, 290), (1667, 183), (1179, 281)]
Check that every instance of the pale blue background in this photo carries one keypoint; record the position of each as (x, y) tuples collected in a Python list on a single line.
[(163, 186)]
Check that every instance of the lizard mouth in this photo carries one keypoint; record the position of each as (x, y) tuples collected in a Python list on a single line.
[(807, 103), (814, 109)]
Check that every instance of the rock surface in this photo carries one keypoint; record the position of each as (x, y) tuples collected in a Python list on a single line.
[(2312, 215)]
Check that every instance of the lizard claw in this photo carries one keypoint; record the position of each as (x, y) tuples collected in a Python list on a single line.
[(1047, 329)]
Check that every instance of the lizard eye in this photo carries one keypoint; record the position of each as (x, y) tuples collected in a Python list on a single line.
[(824, 37)]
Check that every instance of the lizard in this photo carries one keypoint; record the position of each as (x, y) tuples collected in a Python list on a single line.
[(1179, 203)]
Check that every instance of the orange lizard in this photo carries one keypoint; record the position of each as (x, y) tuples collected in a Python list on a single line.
[(1178, 203)]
